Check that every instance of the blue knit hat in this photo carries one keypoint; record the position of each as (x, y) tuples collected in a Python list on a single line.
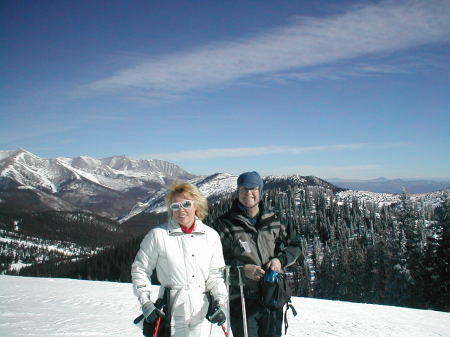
[(250, 179)]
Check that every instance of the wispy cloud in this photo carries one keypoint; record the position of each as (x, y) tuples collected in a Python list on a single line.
[(345, 70), (107, 118), (384, 27), (25, 132), (248, 152)]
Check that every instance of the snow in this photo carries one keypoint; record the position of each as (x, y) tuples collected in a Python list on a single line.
[(19, 265), (44, 249), (222, 183), (212, 187), (62, 247), (384, 199), (64, 307), (31, 170), (5, 154)]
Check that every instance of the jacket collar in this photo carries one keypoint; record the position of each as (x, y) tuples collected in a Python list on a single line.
[(174, 229), (238, 208)]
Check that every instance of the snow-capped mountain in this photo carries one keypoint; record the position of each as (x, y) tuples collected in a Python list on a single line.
[(108, 186), (297, 180), (121, 188)]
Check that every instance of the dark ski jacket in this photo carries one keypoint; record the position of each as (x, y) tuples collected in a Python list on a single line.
[(247, 243)]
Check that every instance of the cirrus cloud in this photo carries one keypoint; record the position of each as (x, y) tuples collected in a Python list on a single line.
[(248, 151), (384, 27)]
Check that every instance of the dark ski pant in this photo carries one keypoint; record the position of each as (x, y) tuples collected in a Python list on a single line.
[(261, 322)]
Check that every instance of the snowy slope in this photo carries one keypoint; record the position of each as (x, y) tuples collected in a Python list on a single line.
[(43, 307), (432, 199), (213, 187)]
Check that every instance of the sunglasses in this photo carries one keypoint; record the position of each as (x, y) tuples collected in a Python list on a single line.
[(248, 189), (186, 204)]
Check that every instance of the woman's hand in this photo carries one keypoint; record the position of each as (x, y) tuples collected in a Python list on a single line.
[(218, 317), (151, 313)]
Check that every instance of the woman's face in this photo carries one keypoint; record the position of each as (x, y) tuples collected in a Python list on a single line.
[(184, 216)]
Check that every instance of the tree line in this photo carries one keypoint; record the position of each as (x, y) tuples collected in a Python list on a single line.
[(397, 254), (38, 238)]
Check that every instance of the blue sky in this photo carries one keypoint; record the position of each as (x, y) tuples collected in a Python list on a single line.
[(350, 89)]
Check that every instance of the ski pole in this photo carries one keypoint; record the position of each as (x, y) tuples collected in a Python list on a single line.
[(224, 331), (158, 323), (227, 283), (244, 312)]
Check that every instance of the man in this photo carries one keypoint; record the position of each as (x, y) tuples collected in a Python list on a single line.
[(254, 240)]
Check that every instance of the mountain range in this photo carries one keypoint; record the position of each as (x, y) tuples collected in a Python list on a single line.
[(115, 187), (121, 188), (383, 185), (109, 187)]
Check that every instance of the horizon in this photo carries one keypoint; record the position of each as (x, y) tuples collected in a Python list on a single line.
[(355, 90)]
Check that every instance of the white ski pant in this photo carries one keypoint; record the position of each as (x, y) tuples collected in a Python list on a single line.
[(182, 328), (189, 312)]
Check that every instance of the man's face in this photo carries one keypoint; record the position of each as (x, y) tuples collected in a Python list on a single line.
[(249, 197)]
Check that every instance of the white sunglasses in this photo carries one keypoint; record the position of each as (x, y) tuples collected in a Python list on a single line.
[(186, 204)]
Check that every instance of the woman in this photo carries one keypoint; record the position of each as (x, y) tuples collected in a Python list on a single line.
[(188, 259)]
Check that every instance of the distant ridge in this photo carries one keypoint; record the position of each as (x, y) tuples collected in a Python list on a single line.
[(383, 185)]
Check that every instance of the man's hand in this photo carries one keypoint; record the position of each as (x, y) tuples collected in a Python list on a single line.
[(151, 313), (274, 264), (254, 272)]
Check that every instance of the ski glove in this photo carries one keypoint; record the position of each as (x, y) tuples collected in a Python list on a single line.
[(218, 316), (151, 313)]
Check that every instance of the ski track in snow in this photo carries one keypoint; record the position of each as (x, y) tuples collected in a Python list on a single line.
[(63, 307)]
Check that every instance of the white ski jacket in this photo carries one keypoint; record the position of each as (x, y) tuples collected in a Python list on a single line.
[(188, 264)]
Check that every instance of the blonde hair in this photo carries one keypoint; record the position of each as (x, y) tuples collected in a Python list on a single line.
[(190, 192)]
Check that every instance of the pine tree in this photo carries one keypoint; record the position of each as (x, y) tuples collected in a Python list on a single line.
[(436, 272)]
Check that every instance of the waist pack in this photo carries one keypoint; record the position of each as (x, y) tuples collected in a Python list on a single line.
[(276, 292)]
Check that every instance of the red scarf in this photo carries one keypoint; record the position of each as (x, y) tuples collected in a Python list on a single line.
[(188, 230)]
